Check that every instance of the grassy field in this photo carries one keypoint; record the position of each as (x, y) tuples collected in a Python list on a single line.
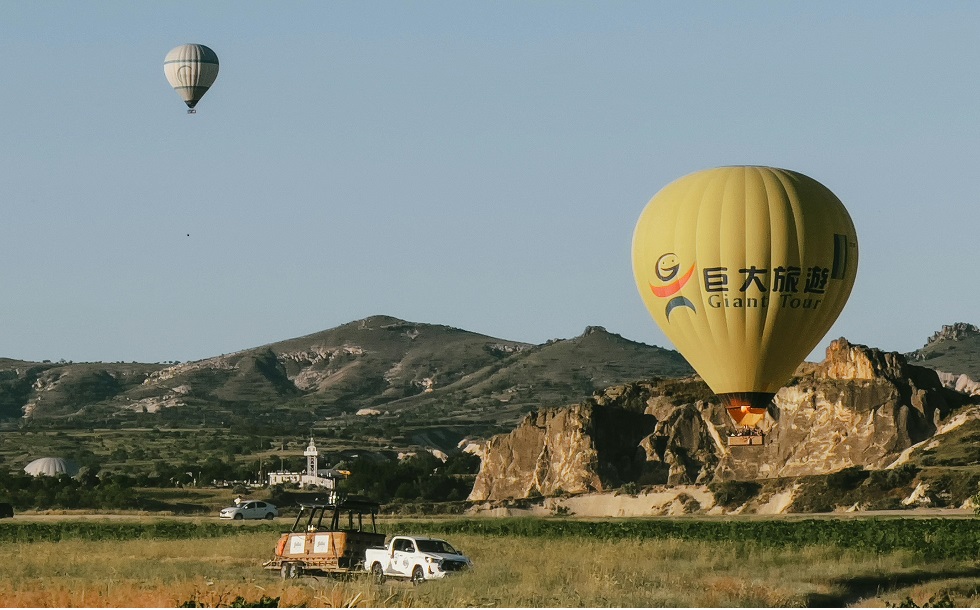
[(163, 564)]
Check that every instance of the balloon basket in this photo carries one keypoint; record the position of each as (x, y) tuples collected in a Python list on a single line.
[(754, 439), (191, 111)]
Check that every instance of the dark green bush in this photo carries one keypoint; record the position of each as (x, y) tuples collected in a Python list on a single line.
[(732, 494), (422, 477), (847, 479), (893, 478)]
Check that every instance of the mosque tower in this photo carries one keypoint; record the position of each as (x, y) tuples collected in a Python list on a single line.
[(311, 459)]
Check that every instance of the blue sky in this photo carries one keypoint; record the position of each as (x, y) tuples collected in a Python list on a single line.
[(480, 165)]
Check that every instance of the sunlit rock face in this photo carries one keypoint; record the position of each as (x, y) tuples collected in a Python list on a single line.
[(572, 450), (859, 407), (960, 383)]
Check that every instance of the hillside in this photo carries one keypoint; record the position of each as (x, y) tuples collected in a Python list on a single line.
[(381, 386), (954, 349), (419, 382)]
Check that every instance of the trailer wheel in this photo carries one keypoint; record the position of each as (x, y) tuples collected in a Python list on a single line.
[(418, 576), (378, 574), (290, 570)]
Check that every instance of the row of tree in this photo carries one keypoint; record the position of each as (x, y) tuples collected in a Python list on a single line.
[(87, 490), (421, 477)]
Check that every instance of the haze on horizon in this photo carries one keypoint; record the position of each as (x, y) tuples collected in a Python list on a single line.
[(475, 165)]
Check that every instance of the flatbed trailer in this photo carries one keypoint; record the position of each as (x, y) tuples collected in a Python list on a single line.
[(327, 538)]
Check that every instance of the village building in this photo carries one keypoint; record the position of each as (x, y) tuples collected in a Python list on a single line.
[(313, 476)]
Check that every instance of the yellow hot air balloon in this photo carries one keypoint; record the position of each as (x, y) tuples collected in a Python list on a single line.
[(191, 70), (745, 269)]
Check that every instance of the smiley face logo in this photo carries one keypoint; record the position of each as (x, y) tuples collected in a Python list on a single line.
[(667, 268)]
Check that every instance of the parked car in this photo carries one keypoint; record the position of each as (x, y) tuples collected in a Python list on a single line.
[(250, 509), (6, 510), (415, 558)]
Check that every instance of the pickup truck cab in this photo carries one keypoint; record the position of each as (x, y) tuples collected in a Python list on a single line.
[(415, 558)]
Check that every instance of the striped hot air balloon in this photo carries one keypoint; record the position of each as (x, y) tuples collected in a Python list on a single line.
[(191, 70), (745, 269)]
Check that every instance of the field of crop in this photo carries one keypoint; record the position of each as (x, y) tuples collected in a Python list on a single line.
[(519, 563)]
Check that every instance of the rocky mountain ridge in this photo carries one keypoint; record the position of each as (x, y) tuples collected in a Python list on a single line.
[(860, 407), (390, 385), (393, 367), (954, 349), (954, 332)]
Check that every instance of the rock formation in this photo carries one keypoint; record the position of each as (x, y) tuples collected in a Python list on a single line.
[(954, 332), (955, 350), (960, 383), (572, 450), (859, 407)]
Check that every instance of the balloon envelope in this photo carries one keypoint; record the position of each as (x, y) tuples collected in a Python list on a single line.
[(191, 70), (51, 467), (745, 269)]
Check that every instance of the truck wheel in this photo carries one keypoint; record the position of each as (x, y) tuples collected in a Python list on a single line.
[(418, 576), (284, 570), (378, 574), (295, 570)]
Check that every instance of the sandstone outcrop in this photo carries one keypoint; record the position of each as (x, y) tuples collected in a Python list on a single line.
[(960, 383), (859, 407), (955, 349), (572, 450), (954, 332)]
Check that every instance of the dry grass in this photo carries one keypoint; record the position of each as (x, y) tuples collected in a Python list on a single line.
[(510, 572), (649, 573)]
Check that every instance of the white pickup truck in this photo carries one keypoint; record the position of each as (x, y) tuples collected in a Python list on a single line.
[(415, 558)]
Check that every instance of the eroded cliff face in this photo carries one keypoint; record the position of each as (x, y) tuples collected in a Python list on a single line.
[(860, 406), (574, 450), (549, 451)]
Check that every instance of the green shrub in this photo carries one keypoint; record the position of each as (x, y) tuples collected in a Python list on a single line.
[(630, 489), (732, 494), (893, 478), (847, 479)]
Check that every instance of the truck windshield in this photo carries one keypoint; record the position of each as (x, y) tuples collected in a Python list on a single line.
[(435, 546)]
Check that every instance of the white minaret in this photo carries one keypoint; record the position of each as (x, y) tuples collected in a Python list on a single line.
[(311, 454)]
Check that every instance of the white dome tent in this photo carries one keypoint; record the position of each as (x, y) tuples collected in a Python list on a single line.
[(51, 467)]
